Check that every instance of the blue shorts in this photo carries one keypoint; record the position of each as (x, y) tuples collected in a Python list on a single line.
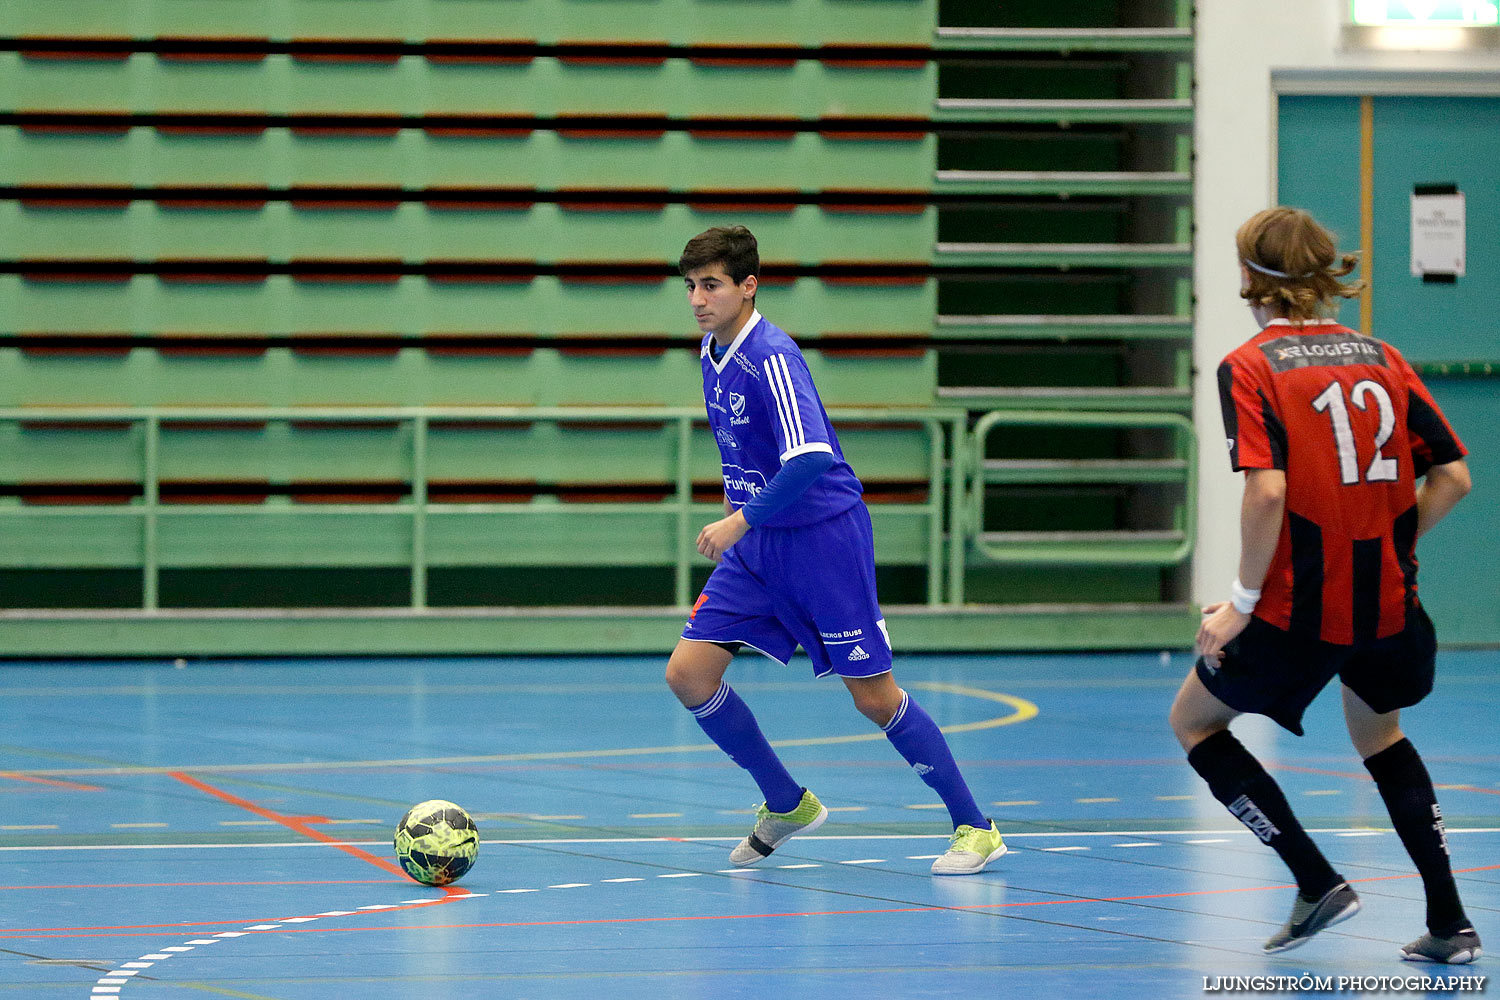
[(813, 585)]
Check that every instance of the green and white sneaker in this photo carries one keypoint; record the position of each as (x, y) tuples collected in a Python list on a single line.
[(970, 850), (774, 829)]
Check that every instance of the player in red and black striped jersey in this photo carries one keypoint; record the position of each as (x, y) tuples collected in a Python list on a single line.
[(1348, 422), (1333, 430)]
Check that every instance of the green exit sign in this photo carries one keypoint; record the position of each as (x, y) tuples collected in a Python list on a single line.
[(1412, 13)]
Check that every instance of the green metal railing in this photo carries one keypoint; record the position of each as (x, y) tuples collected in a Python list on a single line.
[(953, 511), (945, 433), (1159, 547)]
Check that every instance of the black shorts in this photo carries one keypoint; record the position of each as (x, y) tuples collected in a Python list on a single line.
[(1277, 674)]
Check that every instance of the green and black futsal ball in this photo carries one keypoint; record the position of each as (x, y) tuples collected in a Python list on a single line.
[(436, 842)]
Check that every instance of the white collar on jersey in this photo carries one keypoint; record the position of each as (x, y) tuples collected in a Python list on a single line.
[(1283, 321), (734, 344)]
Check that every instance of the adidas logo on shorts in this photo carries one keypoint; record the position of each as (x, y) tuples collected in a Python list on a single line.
[(858, 653)]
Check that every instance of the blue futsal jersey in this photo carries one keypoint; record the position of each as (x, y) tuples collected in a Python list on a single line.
[(764, 410)]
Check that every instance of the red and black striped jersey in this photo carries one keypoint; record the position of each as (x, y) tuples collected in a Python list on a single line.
[(1353, 427)]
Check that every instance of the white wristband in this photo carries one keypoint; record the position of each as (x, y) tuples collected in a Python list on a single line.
[(1242, 597)]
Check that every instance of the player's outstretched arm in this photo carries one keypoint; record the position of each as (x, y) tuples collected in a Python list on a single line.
[(1441, 490)]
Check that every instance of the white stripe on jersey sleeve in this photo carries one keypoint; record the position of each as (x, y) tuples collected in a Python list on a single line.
[(788, 431), (803, 449), (786, 427), (791, 395)]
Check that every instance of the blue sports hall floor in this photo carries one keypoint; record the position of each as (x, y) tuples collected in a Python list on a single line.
[(223, 829)]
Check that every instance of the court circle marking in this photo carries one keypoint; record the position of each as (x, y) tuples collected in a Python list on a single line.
[(1021, 711)]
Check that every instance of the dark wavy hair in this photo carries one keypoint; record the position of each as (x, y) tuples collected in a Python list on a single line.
[(1294, 264), (732, 246)]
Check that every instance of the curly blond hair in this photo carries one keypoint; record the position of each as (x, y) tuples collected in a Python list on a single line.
[(1294, 264)]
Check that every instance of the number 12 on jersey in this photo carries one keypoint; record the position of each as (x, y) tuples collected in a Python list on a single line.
[(1331, 401)]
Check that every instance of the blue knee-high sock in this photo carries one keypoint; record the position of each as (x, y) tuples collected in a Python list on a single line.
[(729, 722), (917, 738)]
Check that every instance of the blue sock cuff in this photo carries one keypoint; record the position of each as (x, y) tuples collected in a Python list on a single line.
[(900, 712), (713, 704)]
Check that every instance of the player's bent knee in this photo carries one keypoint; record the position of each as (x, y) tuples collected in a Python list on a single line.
[(684, 682), (876, 698), (1373, 740), (695, 672), (876, 712), (1190, 727)]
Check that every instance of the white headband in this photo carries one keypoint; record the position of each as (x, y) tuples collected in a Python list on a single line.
[(1275, 274)]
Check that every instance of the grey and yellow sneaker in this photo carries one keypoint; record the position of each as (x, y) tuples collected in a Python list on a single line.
[(1456, 949), (970, 850), (774, 829), (1310, 916)]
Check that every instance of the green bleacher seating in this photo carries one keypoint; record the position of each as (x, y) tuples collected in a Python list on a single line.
[(271, 236)]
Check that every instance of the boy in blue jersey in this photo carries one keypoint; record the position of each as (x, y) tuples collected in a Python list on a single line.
[(796, 563)]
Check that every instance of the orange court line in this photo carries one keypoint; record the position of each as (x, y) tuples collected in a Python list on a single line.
[(1365, 777), (73, 785), (143, 929), (297, 824), (175, 885), (47, 932)]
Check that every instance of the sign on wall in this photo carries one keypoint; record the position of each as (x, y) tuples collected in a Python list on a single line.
[(1438, 248)]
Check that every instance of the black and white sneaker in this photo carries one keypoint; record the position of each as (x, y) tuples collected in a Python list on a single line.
[(1310, 916), (1456, 949)]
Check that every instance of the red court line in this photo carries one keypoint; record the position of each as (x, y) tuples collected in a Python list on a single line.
[(173, 885), (154, 928), (73, 785), (727, 916), (297, 824), (1365, 777), (51, 932)]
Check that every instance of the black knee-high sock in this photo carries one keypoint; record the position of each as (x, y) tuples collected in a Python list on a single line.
[(1237, 780), (1407, 790)]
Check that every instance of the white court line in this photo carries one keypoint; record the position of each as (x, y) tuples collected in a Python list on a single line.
[(1012, 835), (111, 983)]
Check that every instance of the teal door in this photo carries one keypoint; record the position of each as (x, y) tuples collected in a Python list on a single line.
[(1450, 332)]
